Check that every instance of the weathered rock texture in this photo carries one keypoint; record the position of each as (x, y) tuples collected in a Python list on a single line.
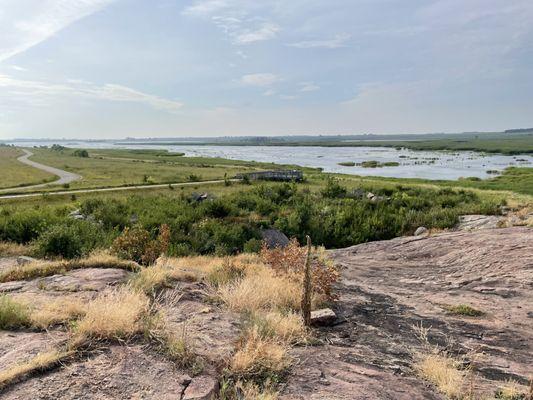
[(111, 371), (389, 287)]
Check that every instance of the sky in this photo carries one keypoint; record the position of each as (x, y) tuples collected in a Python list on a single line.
[(105, 69)]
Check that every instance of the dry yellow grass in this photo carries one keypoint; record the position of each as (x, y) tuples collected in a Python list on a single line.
[(511, 391), (117, 314), (250, 391), (41, 362), (442, 371), (216, 270), (261, 289), (259, 357), (14, 249), (57, 312), (288, 327), (43, 268)]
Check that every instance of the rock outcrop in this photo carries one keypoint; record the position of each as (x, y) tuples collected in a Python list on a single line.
[(389, 288)]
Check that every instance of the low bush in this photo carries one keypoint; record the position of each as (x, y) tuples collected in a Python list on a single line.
[(290, 261), (71, 240), (137, 244)]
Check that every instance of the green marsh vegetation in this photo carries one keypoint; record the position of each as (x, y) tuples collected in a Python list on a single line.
[(230, 221), (377, 164)]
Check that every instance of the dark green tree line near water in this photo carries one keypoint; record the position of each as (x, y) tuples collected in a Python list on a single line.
[(334, 217)]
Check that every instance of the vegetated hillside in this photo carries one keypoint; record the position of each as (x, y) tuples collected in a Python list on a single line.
[(334, 216)]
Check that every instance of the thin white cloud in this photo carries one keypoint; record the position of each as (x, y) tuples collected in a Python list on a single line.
[(266, 32), (269, 92), (236, 19), (336, 42), (18, 68), (38, 92), (26, 23), (308, 87), (206, 7), (261, 80), (115, 92), (288, 97)]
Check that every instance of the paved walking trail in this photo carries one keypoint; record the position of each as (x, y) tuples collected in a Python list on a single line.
[(64, 176)]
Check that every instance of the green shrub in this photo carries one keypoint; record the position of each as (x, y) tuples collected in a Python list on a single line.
[(333, 189), (80, 153), (71, 240), (26, 225), (252, 246)]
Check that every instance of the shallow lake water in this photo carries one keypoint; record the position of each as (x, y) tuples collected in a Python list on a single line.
[(412, 163)]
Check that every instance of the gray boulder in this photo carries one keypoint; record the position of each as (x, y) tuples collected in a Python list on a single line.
[(274, 238), (421, 230), (323, 317), (23, 260)]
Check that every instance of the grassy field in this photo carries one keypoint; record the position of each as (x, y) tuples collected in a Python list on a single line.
[(106, 167), (14, 173)]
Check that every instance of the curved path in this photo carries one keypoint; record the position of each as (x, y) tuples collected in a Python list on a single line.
[(64, 176)]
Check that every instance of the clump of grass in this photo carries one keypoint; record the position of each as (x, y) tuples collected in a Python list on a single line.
[(117, 314), (41, 362), (439, 368), (288, 327), (229, 271), (151, 279), (464, 309), (48, 268), (443, 372), (510, 391), (57, 312), (251, 391), (178, 349), (13, 315), (259, 358), (261, 289)]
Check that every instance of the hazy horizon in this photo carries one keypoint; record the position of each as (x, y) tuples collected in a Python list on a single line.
[(111, 69)]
